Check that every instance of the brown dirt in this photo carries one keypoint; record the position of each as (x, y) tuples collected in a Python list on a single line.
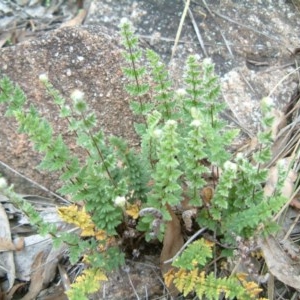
[(88, 59)]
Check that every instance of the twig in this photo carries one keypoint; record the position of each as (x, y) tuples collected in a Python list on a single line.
[(248, 83), (64, 277), (187, 4), (223, 36), (131, 283), (235, 118), (286, 204), (195, 235), (274, 68), (34, 182), (288, 233), (281, 80), (146, 292), (197, 31), (286, 143), (248, 27)]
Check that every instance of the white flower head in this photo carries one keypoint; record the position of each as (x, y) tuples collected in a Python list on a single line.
[(157, 133), (230, 166), (240, 156), (43, 77), (124, 21), (267, 103), (3, 183), (171, 123), (181, 92), (77, 95), (207, 61), (196, 123), (120, 201)]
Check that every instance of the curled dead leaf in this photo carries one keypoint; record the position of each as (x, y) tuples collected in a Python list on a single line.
[(64, 277), (19, 243), (37, 276), (207, 194), (187, 216), (278, 123), (78, 20), (295, 203)]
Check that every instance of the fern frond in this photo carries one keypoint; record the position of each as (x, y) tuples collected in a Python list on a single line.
[(196, 255), (211, 288), (88, 282)]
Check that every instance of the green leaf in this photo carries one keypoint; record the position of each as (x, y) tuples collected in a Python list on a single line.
[(195, 255)]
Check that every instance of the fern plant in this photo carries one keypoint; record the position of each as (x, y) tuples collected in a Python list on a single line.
[(191, 276), (183, 141)]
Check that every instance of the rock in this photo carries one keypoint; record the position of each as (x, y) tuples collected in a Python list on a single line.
[(253, 45), (84, 58), (243, 89)]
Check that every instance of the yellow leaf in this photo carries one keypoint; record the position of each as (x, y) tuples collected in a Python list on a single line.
[(88, 281), (132, 210), (100, 235), (209, 243), (180, 279), (88, 231), (169, 276), (241, 276), (68, 213), (100, 276), (252, 288), (72, 215)]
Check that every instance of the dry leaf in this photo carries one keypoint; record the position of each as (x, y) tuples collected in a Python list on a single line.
[(172, 243), (295, 203), (6, 245), (271, 183), (13, 290), (278, 123), (279, 263), (4, 37), (187, 216), (64, 277), (78, 20), (53, 293), (291, 249), (7, 264), (19, 243), (37, 277), (249, 147), (35, 244), (207, 194)]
